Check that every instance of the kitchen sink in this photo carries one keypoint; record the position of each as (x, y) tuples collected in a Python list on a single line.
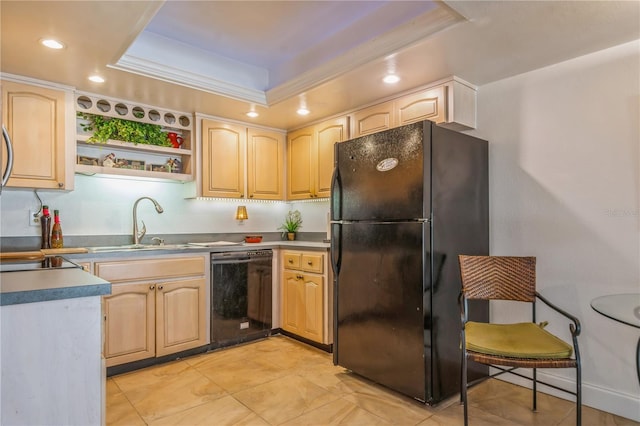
[(137, 247)]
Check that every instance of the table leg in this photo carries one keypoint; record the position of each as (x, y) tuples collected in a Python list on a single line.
[(638, 360)]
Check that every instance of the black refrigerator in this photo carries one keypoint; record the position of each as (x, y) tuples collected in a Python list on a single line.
[(404, 203)]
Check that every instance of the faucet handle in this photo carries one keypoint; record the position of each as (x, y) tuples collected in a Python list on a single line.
[(159, 240), (143, 231)]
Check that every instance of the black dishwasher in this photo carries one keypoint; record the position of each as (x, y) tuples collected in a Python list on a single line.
[(241, 284)]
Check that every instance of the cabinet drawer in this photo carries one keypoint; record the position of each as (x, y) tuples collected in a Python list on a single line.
[(312, 263), (291, 260), (131, 270)]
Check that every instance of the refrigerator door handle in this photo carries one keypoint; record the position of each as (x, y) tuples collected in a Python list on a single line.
[(336, 249), (336, 188), (7, 172)]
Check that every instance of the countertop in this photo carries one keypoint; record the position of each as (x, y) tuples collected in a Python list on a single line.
[(55, 284), (49, 284), (296, 245)]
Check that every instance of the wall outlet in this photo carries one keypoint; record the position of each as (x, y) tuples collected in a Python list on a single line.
[(34, 219), (244, 325)]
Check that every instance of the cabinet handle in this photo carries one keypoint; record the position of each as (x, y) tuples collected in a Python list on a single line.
[(152, 286), (160, 287), (298, 277), (60, 184), (290, 261), (251, 196), (309, 263)]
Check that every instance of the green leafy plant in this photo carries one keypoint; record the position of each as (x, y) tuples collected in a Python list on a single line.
[(292, 222), (105, 128)]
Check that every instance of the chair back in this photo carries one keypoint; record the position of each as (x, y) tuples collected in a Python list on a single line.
[(498, 277)]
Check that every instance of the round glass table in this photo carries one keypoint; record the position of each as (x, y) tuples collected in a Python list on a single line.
[(624, 308)]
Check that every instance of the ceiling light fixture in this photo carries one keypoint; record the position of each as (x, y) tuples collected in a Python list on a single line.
[(391, 79), (302, 109), (51, 43), (96, 79), (252, 114)]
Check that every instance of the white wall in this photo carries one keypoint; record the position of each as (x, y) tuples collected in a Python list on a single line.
[(103, 206), (564, 186)]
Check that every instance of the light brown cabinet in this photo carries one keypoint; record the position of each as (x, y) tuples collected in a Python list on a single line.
[(310, 158), (225, 149), (305, 296), (35, 120), (373, 119), (450, 104), (130, 327), (425, 105), (157, 307), (265, 153)]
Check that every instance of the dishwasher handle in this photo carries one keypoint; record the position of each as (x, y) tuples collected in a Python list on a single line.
[(240, 256)]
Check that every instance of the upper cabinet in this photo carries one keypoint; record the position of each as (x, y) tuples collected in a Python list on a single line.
[(35, 118), (310, 158), (119, 138), (227, 148), (265, 153), (223, 154), (373, 119), (451, 103)]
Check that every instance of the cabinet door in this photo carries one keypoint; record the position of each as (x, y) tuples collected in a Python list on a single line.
[(300, 164), (425, 105), (328, 134), (312, 293), (129, 323), (292, 302), (223, 147), (373, 119), (265, 153), (35, 120), (180, 316)]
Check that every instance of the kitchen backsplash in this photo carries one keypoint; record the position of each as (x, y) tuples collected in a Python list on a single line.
[(103, 206)]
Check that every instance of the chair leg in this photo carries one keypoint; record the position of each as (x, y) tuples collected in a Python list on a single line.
[(535, 393), (463, 387)]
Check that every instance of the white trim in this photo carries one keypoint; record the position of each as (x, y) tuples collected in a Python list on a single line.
[(173, 75), (604, 399), (35, 82)]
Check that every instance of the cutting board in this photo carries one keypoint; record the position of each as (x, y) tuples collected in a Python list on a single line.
[(39, 254), (22, 255), (70, 250)]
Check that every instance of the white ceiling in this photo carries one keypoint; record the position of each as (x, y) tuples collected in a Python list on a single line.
[(220, 58)]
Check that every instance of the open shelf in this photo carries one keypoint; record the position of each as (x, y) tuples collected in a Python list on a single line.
[(129, 159)]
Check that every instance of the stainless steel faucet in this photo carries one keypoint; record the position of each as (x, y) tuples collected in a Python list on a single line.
[(137, 235)]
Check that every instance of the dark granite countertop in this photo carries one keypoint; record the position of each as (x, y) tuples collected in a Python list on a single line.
[(49, 284)]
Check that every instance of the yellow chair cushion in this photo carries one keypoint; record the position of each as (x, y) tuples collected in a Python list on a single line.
[(522, 340)]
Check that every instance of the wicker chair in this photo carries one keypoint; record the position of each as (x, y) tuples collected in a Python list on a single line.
[(524, 345)]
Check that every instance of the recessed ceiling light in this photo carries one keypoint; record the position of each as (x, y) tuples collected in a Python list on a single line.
[(51, 43), (303, 111), (391, 79), (252, 114), (96, 79)]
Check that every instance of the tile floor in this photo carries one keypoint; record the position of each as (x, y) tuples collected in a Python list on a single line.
[(279, 381)]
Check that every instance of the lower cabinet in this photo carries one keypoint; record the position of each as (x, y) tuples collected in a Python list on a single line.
[(157, 307), (305, 296)]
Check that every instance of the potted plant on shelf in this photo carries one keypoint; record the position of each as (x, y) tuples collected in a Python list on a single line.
[(292, 222), (105, 128)]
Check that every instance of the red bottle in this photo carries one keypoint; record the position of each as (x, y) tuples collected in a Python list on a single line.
[(45, 223), (56, 231)]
